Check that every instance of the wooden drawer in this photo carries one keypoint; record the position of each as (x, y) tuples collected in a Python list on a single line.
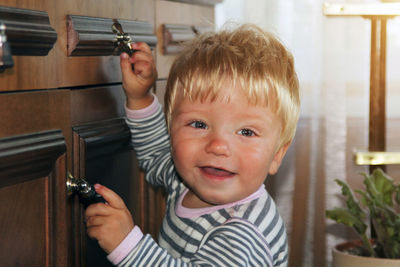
[(178, 13), (57, 69)]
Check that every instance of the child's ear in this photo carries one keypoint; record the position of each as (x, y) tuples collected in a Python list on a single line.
[(276, 161)]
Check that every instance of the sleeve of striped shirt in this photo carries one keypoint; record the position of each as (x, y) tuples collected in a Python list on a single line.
[(233, 244), (150, 140)]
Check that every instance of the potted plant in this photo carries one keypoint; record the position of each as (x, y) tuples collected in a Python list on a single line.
[(379, 205)]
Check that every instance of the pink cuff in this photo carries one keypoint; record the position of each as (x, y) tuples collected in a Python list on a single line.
[(145, 112), (123, 249)]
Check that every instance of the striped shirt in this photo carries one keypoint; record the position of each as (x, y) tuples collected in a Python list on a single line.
[(249, 232)]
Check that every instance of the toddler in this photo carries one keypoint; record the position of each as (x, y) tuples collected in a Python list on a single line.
[(231, 109)]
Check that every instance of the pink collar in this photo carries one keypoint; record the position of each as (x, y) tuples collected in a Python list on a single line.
[(184, 212)]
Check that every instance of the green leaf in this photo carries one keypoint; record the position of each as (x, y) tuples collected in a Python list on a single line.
[(384, 185), (344, 216), (365, 199), (385, 222), (370, 188), (398, 194), (351, 202)]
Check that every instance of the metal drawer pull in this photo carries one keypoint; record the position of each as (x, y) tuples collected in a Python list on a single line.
[(377, 158), (92, 36), (122, 41), (174, 35), (6, 60), (29, 32), (86, 192)]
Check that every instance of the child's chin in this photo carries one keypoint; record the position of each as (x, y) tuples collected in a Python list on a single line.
[(221, 199)]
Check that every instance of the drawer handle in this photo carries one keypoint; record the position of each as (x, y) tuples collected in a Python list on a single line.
[(29, 32), (6, 60), (122, 40), (86, 192), (174, 35), (92, 36)]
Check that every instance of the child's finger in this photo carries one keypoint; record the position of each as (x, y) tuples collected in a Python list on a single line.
[(98, 209), (94, 232), (95, 221), (144, 69), (139, 55), (110, 197), (142, 46), (126, 65)]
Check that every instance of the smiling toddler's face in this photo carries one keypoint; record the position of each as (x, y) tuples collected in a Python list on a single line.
[(224, 149)]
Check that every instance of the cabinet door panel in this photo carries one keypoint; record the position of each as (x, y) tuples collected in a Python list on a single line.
[(33, 214), (27, 225), (102, 154), (34, 135)]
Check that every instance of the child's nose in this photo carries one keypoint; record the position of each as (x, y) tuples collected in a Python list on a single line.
[(218, 145)]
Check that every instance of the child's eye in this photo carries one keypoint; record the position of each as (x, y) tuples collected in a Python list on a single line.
[(247, 132), (198, 124)]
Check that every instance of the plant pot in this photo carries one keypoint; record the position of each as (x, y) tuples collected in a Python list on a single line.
[(341, 258)]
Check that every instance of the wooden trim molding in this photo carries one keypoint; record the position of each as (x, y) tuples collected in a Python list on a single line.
[(28, 31), (199, 2), (95, 141), (27, 157), (174, 35), (92, 36), (102, 138)]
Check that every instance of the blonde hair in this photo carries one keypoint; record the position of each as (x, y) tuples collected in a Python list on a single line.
[(247, 55)]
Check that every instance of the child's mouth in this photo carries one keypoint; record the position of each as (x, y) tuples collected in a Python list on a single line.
[(217, 172)]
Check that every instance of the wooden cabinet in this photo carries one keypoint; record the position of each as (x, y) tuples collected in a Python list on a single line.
[(64, 114), (34, 221)]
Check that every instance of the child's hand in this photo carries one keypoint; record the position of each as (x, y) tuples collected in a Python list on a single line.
[(108, 223), (138, 81)]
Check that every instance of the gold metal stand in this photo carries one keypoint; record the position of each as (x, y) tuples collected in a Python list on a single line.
[(378, 14)]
